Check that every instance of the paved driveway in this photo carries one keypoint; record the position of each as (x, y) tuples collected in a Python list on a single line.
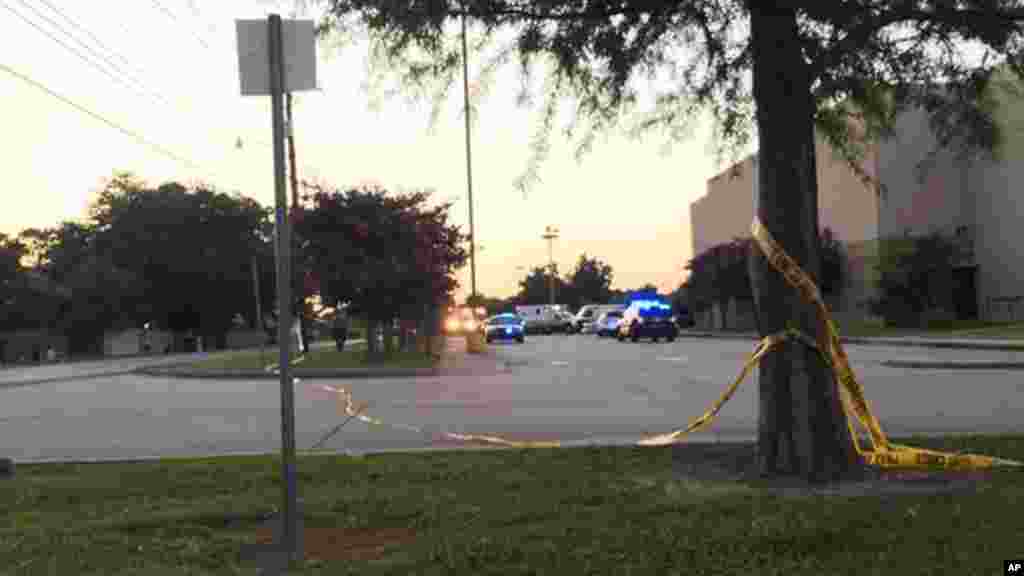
[(578, 389)]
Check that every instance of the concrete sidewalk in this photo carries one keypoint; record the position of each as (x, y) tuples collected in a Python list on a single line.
[(910, 342)]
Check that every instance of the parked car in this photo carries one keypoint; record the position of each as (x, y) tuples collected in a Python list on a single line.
[(647, 319), (608, 323), (585, 317), (563, 322), (586, 320), (505, 327)]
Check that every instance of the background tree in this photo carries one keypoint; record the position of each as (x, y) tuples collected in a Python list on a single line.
[(844, 67), (493, 306), (17, 301), (833, 264), (103, 296), (57, 250), (721, 273), (588, 283), (389, 256), (916, 281), (618, 296), (680, 299), (193, 247), (535, 287)]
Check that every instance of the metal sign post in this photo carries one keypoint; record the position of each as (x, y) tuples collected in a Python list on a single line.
[(273, 59), (289, 540)]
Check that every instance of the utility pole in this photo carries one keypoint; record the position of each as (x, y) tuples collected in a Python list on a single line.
[(469, 161), (551, 234), (293, 174)]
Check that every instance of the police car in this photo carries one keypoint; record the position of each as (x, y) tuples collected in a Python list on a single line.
[(647, 316), (505, 327)]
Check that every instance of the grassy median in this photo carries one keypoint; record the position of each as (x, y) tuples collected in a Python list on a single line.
[(953, 329), (355, 355), (545, 511)]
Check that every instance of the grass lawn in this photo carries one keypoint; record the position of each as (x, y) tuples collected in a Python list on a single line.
[(543, 511), (353, 356), (956, 329)]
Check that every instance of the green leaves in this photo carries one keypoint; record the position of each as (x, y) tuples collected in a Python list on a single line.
[(907, 54), (916, 276), (384, 253)]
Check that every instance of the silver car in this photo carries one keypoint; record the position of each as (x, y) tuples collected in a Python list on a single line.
[(585, 321), (608, 323)]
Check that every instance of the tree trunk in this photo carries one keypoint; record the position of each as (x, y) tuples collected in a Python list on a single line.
[(371, 336), (388, 327), (403, 338), (801, 427)]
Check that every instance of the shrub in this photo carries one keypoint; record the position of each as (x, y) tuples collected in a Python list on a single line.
[(916, 283)]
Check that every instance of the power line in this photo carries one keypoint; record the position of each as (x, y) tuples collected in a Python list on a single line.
[(102, 57), (172, 16), (126, 131), (93, 63), (106, 48), (92, 36), (74, 50)]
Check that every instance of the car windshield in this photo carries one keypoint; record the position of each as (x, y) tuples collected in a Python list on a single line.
[(615, 314), (502, 320)]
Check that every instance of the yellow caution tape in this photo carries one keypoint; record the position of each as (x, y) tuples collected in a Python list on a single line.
[(883, 454), (348, 407)]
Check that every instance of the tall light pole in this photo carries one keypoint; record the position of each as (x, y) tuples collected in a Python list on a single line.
[(469, 161), (551, 234)]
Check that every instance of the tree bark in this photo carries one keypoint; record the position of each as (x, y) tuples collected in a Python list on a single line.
[(388, 329), (801, 428), (371, 336)]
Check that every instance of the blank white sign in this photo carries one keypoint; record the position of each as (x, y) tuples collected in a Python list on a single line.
[(299, 38)]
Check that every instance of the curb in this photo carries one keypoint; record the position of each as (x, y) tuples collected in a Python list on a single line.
[(309, 373), (905, 342), (961, 365), (179, 371)]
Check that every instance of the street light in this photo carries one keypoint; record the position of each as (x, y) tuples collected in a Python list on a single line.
[(551, 234), (469, 160)]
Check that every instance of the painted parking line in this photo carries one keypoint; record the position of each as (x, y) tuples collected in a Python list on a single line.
[(559, 363), (680, 359)]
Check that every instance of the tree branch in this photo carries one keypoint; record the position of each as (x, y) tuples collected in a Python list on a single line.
[(873, 23)]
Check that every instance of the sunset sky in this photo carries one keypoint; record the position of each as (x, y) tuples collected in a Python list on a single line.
[(172, 79)]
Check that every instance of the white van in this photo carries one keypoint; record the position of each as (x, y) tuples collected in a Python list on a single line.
[(543, 318)]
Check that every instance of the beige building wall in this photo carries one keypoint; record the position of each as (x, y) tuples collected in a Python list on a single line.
[(979, 204), (919, 194), (845, 204), (726, 209), (996, 195)]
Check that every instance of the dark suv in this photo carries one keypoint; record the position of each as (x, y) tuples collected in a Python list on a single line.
[(647, 319)]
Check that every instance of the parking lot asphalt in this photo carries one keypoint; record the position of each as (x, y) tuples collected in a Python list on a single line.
[(575, 389)]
